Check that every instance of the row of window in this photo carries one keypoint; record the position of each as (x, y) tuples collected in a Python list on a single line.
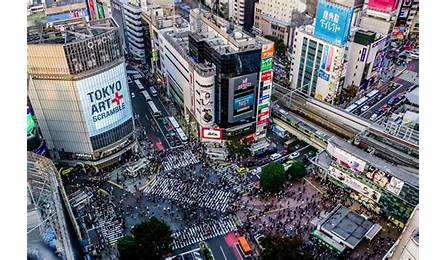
[(112, 136)]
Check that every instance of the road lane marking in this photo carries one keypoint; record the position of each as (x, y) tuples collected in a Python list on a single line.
[(311, 184), (221, 249)]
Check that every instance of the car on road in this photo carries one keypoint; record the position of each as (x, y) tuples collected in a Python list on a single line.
[(132, 94), (256, 170), (242, 170), (275, 156), (364, 108), (294, 155), (373, 117)]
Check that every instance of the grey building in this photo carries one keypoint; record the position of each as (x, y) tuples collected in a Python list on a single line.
[(78, 89)]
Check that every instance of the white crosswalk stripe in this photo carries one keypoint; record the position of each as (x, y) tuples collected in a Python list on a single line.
[(202, 196), (176, 161), (204, 231), (108, 224)]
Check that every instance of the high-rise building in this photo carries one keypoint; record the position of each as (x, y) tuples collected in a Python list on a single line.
[(275, 17), (241, 13), (133, 31), (407, 18), (78, 89)]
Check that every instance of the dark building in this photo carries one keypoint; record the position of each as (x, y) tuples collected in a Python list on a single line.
[(249, 12)]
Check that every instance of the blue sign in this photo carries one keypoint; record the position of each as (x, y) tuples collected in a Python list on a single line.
[(243, 104), (323, 75), (333, 22)]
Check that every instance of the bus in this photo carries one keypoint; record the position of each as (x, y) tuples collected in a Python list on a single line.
[(173, 122), (146, 95), (361, 101), (154, 109), (372, 94), (137, 76), (153, 91), (181, 134), (140, 86), (351, 108)]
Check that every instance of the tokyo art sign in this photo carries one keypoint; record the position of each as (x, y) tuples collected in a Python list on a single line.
[(105, 100)]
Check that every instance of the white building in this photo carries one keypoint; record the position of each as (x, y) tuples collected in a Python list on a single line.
[(274, 17), (317, 65), (365, 58), (134, 30)]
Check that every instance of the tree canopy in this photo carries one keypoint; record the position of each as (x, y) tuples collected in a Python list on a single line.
[(277, 247), (149, 238), (297, 170), (272, 177)]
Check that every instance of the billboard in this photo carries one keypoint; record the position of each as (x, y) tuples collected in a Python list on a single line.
[(326, 63), (383, 5), (207, 102), (243, 83), (346, 159), (354, 184), (67, 15), (30, 121), (333, 22), (395, 186), (211, 133), (243, 104), (105, 100)]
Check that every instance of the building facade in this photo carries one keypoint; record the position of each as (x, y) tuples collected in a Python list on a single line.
[(241, 12), (378, 185), (316, 66), (366, 55), (275, 17), (78, 89), (133, 30)]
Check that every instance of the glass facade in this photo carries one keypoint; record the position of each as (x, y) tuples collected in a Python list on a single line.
[(112, 136)]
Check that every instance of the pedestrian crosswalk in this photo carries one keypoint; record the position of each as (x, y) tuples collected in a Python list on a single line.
[(179, 160), (108, 224), (204, 231), (191, 193)]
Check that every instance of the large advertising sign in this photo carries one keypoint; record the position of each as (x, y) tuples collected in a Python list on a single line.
[(383, 5), (354, 184), (266, 64), (346, 159), (243, 104), (207, 102), (333, 22), (395, 186), (244, 82), (211, 133), (30, 121), (67, 15), (92, 9), (326, 63), (105, 100)]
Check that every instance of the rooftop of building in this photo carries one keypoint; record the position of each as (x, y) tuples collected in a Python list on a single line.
[(376, 162), (68, 31), (413, 96), (221, 34), (347, 226)]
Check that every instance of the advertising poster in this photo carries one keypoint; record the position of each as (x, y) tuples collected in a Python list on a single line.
[(105, 100), (266, 75), (346, 159), (267, 50), (383, 5), (378, 177), (30, 121), (243, 104), (395, 186), (333, 22), (244, 83), (92, 9), (354, 184), (363, 55), (326, 63), (207, 102)]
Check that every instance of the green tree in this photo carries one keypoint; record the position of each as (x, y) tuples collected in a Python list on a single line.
[(272, 177), (297, 170), (150, 238), (238, 147), (277, 247), (127, 248)]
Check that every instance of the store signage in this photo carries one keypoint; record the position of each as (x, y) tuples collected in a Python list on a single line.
[(363, 55), (333, 22), (212, 133), (266, 64), (100, 40), (266, 75)]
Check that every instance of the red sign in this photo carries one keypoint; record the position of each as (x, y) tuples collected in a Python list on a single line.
[(264, 121), (383, 5), (211, 133), (250, 137), (266, 75), (263, 113)]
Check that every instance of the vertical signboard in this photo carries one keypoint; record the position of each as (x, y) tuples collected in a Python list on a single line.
[(92, 9), (264, 90), (333, 22)]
